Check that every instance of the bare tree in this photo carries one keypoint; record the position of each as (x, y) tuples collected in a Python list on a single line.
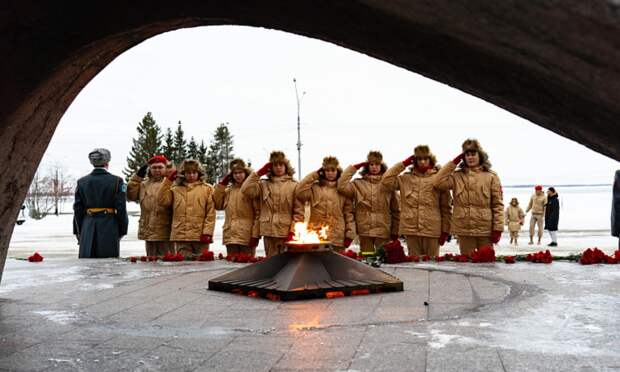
[(39, 200), (62, 185)]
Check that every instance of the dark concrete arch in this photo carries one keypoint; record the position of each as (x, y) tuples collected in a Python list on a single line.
[(556, 63)]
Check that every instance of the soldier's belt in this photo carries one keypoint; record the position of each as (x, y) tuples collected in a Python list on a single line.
[(92, 211)]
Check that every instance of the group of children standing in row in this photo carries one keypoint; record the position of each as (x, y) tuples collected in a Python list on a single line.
[(416, 198)]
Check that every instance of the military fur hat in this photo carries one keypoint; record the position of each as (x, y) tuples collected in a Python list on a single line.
[(99, 157), (423, 151), (191, 165), (472, 144), (278, 157), (330, 162), (374, 157), (237, 164)]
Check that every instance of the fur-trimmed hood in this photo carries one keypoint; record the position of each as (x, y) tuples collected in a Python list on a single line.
[(278, 157), (415, 171), (187, 165), (238, 164), (374, 157), (472, 144), (329, 162)]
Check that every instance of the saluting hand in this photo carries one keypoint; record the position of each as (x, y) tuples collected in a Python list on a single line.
[(264, 170), (458, 159), (226, 180), (173, 175), (407, 162), (359, 165), (142, 171)]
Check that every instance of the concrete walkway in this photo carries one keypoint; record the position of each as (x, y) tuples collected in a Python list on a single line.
[(108, 315)]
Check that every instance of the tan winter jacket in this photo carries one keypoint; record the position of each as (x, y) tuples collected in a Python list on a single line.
[(241, 214), (424, 210), (477, 197), (377, 209), (328, 207), (537, 204), (193, 212), (279, 209), (514, 217), (155, 219)]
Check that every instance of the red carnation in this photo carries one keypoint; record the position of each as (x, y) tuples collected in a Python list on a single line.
[(509, 259), (133, 259), (143, 258), (394, 252), (483, 254), (220, 256), (206, 255), (36, 257)]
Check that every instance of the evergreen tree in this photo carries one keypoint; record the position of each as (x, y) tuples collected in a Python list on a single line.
[(179, 154), (211, 164), (220, 153), (192, 149), (147, 144), (202, 153), (168, 147)]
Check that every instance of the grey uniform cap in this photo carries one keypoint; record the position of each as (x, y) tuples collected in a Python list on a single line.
[(99, 157)]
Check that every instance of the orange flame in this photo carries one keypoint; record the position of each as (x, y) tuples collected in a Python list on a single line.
[(305, 235)]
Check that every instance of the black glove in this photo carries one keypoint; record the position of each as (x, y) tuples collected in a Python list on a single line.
[(142, 171)]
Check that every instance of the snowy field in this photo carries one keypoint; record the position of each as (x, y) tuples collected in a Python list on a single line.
[(584, 222)]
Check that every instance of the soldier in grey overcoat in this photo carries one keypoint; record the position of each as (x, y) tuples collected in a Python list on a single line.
[(100, 213)]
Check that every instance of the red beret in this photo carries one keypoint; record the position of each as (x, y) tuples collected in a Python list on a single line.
[(538, 188), (158, 159)]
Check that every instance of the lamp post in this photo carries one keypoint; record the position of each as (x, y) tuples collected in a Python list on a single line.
[(298, 127)]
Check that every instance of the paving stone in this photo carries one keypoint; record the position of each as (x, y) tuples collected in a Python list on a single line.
[(159, 317)]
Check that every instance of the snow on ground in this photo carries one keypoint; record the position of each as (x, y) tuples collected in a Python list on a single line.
[(52, 236), (584, 223)]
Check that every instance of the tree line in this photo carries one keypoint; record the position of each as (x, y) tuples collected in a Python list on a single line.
[(174, 145)]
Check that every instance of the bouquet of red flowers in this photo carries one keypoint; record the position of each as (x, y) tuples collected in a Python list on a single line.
[(36, 257), (394, 252), (595, 256), (206, 255), (349, 253), (241, 258), (540, 257), (171, 257), (483, 254)]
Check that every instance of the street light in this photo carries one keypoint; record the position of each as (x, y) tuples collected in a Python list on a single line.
[(298, 127)]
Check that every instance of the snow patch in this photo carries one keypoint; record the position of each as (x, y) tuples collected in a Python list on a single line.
[(60, 317), (439, 340)]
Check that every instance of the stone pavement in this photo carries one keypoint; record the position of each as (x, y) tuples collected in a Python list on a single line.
[(109, 315)]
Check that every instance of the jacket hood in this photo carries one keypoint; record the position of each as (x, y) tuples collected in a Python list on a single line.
[(472, 144), (366, 170), (190, 165), (239, 164), (424, 151), (278, 157)]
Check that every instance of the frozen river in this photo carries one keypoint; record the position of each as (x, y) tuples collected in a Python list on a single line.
[(584, 222)]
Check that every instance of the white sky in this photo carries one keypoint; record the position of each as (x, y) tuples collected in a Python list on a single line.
[(354, 103)]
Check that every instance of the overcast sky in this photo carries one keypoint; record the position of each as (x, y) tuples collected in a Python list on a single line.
[(244, 76)]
